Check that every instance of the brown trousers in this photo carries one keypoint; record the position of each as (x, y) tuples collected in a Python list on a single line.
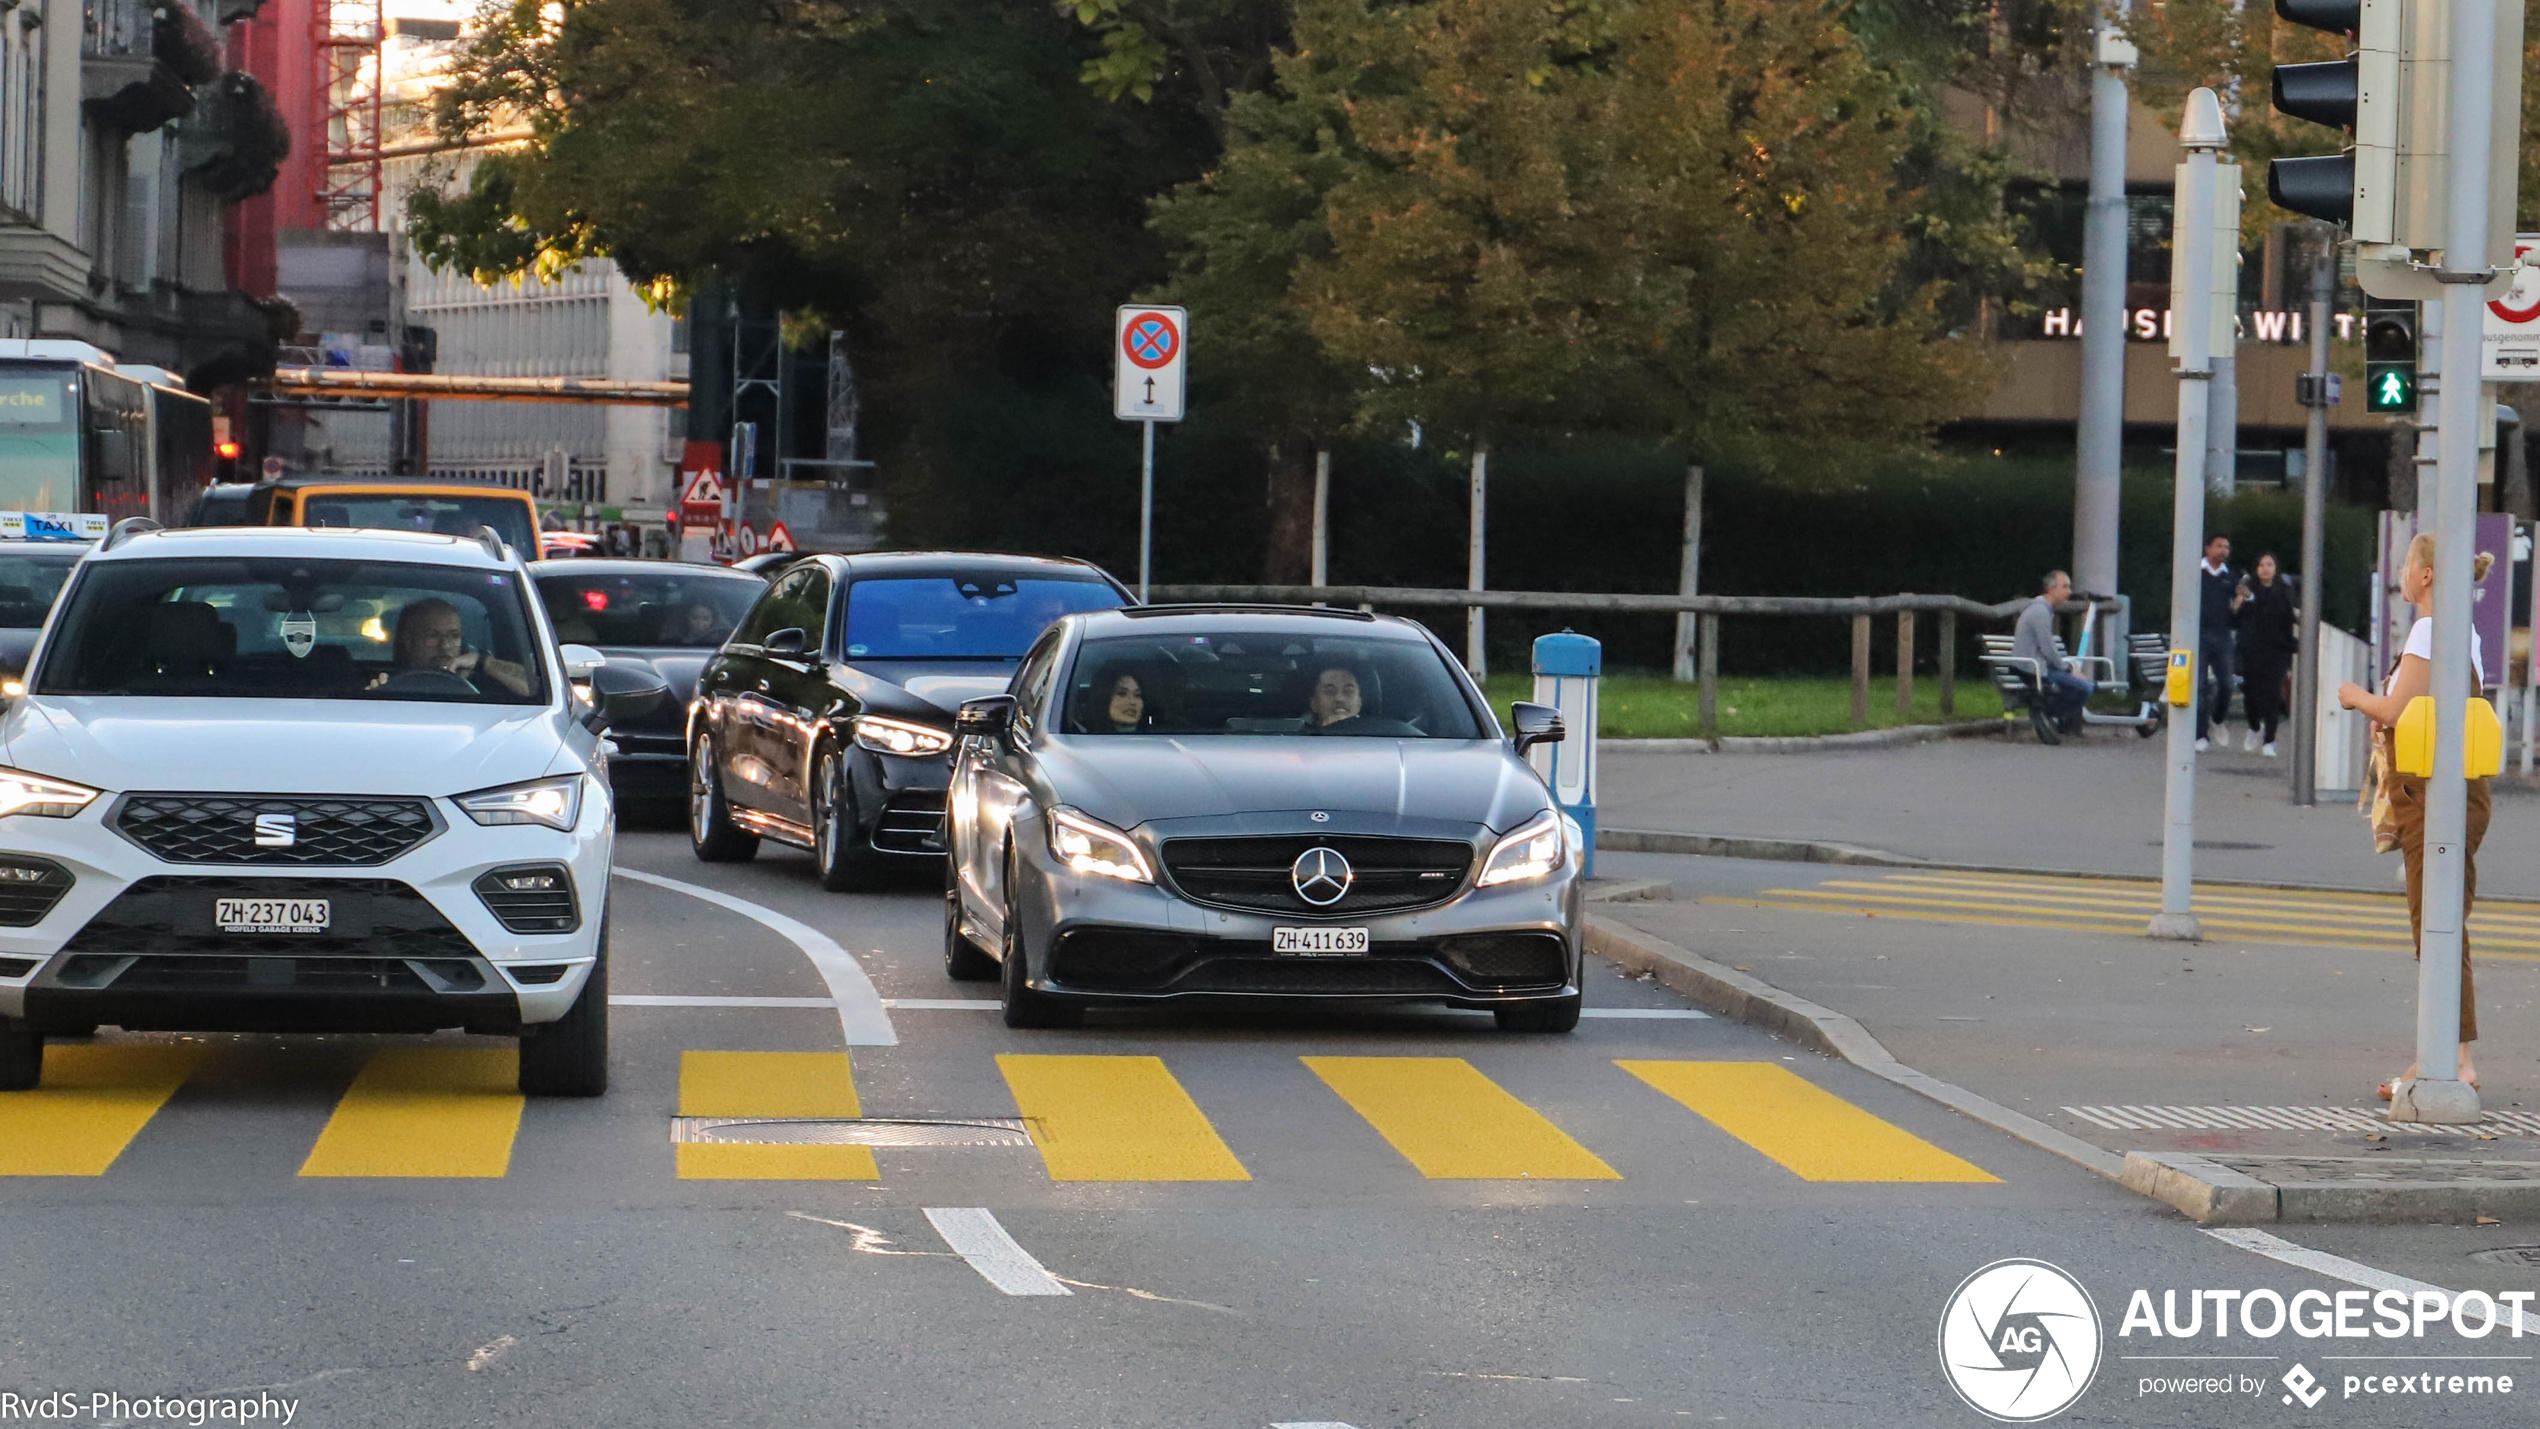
[(2407, 808)]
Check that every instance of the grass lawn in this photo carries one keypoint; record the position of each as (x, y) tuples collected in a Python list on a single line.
[(1639, 705)]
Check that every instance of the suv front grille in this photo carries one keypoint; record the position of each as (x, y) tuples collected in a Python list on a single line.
[(1387, 875), (331, 830)]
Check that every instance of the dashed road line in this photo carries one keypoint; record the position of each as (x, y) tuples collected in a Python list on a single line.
[(1809, 1130), (861, 1016), (975, 1236), (92, 1102), (773, 1085), (427, 1112), (1101, 1118), (1454, 1124)]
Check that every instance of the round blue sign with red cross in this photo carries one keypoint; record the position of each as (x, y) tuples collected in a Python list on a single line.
[(1151, 341)]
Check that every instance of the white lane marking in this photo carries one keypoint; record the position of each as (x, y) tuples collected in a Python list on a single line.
[(861, 1017), (975, 1236), (1672, 1012), (1314, 1424), (896, 1004), (2353, 1272)]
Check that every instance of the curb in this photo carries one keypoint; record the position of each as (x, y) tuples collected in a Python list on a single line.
[(1731, 993), (1807, 743), (1630, 890)]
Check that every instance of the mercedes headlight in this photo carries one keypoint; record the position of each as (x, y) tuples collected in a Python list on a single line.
[(895, 736), (1534, 850), (1092, 846), (24, 793), (556, 803)]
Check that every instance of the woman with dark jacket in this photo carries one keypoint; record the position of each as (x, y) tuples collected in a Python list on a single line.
[(2267, 643)]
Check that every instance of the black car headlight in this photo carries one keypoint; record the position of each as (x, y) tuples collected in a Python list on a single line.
[(898, 736), (1531, 851), (1088, 845)]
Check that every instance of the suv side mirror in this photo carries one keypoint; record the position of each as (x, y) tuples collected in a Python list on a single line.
[(624, 692), (580, 661), (1536, 724), (788, 641), (987, 717)]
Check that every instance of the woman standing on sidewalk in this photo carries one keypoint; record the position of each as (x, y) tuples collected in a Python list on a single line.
[(2406, 792), (2267, 643)]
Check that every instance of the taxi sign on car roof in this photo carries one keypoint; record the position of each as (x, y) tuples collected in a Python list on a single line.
[(52, 526)]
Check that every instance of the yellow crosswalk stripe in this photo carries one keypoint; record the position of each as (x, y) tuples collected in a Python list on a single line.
[(770, 1084), (1803, 1126), (2374, 909), (424, 1112), (1116, 1119), (1453, 1123), (92, 1102)]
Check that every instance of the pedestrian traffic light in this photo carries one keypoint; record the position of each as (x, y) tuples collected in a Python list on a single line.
[(2331, 93), (2390, 357)]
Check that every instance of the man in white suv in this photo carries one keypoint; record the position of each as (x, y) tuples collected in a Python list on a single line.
[(239, 793)]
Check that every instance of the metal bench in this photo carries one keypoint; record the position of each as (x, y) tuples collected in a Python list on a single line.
[(2020, 682)]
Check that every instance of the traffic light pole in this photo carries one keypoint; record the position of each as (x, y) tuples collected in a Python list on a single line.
[(2306, 677), (2192, 297), (2437, 1094), (2099, 433)]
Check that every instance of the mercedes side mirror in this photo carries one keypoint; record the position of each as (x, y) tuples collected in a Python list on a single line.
[(788, 641), (622, 692), (987, 717), (1536, 724)]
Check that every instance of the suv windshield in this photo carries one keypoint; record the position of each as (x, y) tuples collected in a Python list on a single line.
[(442, 515), (986, 615), (295, 629), (681, 610), (1265, 682), (29, 583)]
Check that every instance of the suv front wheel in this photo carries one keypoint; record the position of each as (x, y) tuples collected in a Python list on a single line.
[(21, 1056), (569, 1057)]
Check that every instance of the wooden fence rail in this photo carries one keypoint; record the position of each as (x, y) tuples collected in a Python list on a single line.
[(1859, 608)]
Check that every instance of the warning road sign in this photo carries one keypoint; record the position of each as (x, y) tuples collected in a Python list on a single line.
[(2509, 345), (1147, 361), (704, 489), (778, 538)]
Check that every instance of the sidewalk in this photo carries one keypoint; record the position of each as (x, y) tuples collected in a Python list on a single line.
[(2064, 1024), (2091, 806)]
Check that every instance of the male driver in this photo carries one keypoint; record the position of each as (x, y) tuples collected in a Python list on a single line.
[(2033, 638), (2220, 595)]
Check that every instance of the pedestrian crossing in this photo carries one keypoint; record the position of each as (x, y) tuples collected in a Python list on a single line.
[(2314, 918), (452, 1113)]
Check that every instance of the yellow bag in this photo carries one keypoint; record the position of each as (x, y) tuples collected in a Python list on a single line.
[(2373, 802)]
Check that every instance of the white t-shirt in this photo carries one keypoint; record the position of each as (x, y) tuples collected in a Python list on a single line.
[(2421, 645)]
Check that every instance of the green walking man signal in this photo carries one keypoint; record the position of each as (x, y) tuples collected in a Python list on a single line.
[(2390, 356)]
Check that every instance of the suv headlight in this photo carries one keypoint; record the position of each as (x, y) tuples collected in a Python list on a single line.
[(556, 803), (24, 793), (896, 736), (1534, 850), (1092, 846)]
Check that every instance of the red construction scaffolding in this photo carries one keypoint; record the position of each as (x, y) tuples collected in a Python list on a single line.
[(347, 81)]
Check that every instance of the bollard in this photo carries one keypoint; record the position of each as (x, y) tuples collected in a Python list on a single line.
[(1860, 671), (1708, 671), (1946, 657), (1905, 662), (1567, 667)]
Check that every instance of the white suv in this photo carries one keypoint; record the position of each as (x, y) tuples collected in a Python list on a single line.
[(268, 779)]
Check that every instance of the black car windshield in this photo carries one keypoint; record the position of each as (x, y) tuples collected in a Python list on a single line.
[(29, 582), (983, 615), (1266, 682), (446, 515), (676, 608), (295, 629)]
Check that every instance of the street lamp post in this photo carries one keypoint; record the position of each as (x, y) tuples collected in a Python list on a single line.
[(2191, 298)]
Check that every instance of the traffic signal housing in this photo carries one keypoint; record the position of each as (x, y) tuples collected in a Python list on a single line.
[(2330, 92), (2390, 357)]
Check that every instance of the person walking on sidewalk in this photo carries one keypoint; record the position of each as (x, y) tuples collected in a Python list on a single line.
[(2414, 676), (2218, 606), (2267, 642), (2033, 638)]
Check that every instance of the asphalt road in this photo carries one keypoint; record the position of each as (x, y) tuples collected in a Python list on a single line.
[(1432, 1223)]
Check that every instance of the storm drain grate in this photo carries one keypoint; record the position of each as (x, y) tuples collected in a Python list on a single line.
[(852, 1131), (2523, 1257)]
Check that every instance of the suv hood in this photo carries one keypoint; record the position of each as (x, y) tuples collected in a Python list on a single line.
[(1128, 780), (280, 746)]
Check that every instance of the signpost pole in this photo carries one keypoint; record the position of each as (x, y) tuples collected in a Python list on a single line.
[(2306, 663), (1146, 510)]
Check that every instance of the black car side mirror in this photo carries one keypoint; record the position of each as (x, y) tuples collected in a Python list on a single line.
[(788, 641), (1536, 724), (620, 692), (987, 717)]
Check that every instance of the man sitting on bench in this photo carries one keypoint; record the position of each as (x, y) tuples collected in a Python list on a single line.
[(2034, 639)]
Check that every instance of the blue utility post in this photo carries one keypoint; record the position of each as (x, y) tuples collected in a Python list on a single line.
[(1567, 667)]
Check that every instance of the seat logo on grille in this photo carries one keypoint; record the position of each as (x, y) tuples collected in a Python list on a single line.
[(277, 830), (1321, 876)]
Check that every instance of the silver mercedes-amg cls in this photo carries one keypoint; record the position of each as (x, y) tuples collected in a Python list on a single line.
[(1230, 802)]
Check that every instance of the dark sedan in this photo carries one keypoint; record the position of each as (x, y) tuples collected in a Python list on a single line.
[(827, 721), (1193, 802), (658, 615)]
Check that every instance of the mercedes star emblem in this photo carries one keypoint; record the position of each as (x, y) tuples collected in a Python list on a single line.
[(1321, 876)]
